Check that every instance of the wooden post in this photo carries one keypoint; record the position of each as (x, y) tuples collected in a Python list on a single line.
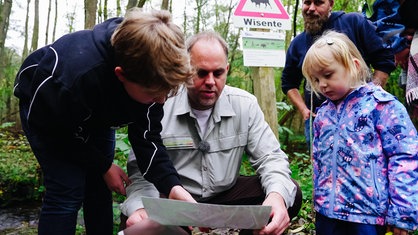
[(265, 91)]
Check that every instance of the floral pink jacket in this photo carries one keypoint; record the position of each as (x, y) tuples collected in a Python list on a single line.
[(365, 155)]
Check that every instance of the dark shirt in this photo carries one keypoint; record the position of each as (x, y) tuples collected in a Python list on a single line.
[(358, 29)]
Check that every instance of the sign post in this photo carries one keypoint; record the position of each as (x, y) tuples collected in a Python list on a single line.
[(263, 50), (262, 14)]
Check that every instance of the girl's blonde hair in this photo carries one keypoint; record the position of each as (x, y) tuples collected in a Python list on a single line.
[(343, 51), (151, 50)]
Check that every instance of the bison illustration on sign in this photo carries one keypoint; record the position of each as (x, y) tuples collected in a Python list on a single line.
[(258, 2)]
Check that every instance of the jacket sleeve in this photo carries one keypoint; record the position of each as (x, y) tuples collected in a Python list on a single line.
[(267, 158), (400, 146), (151, 154), (137, 189), (372, 47), (292, 76)]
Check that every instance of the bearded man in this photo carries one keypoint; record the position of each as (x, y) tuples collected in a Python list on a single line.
[(319, 17)]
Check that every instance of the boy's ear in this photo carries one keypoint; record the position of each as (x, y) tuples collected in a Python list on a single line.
[(119, 73)]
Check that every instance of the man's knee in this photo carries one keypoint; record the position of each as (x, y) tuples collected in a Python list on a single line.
[(295, 208), (123, 219)]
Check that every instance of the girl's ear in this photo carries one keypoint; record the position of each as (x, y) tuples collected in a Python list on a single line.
[(356, 63), (119, 73)]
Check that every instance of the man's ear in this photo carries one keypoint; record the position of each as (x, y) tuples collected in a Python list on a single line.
[(119, 73)]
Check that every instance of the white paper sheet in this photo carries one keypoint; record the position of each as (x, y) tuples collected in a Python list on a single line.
[(180, 213)]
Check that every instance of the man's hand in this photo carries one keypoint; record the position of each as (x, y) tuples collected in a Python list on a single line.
[(396, 231), (179, 193), (116, 179), (297, 100), (279, 217), (380, 78), (401, 58), (149, 227), (136, 217)]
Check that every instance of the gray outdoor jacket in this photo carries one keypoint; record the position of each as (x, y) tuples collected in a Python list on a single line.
[(210, 164)]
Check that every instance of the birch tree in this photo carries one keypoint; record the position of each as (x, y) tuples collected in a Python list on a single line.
[(47, 21), (35, 31), (135, 3), (6, 8), (55, 21), (166, 5), (26, 33)]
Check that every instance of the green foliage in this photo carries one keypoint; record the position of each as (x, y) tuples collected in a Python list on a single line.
[(301, 167), (20, 178), (393, 86), (368, 6), (7, 76), (239, 76), (283, 110), (246, 168), (122, 149)]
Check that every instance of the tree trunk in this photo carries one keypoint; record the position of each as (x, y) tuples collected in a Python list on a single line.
[(25, 46), (105, 13), (264, 90), (344, 4), (118, 8), (131, 3), (295, 14), (198, 21), (185, 17), (35, 33), (6, 9), (47, 22), (141, 3), (90, 9), (99, 12), (164, 4), (55, 20), (233, 50)]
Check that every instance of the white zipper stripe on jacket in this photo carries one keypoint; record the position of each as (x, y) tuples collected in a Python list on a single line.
[(37, 89), (20, 73), (145, 133)]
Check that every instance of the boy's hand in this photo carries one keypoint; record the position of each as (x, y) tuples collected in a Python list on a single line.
[(116, 179), (136, 217)]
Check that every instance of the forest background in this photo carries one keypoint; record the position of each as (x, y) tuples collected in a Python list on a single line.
[(28, 25)]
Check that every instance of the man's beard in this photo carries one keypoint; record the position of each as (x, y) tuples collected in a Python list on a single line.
[(314, 24)]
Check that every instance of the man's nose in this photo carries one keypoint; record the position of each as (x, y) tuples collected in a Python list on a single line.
[(210, 79), (312, 7)]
